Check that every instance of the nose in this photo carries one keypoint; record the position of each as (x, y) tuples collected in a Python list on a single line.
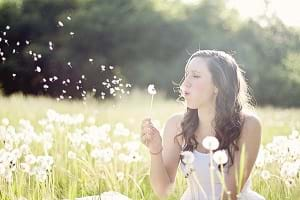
[(185, 84)]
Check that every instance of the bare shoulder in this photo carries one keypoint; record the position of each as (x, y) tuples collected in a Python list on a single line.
[(173, 124), (251, 125)]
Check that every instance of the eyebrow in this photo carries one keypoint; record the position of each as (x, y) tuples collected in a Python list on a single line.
[(193, 71)]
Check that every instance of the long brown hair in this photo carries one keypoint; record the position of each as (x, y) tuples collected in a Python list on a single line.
[(233, 96)]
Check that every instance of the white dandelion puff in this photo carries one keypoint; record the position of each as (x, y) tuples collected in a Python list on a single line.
[(210, 143)]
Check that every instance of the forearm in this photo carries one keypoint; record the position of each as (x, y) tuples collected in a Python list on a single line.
[(159, 178)]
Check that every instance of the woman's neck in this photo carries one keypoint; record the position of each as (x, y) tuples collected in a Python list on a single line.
[(206, 117)]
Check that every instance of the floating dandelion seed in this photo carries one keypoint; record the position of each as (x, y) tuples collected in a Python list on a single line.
[(60, 23), (103, 67), (27, 42), (83, 76), (69, 18), (111, 67), (13, 51), (3, 59), (72, 33), (45, 86), (14, 75), (7, 27), (91, 59), (69, 64), (50, 45), (4, 33), (18, 43), (30, 52), (38, 69)]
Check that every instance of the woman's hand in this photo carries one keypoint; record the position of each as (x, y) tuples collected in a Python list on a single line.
[(150, 136)]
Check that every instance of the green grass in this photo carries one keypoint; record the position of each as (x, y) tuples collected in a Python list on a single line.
[(75, 178)]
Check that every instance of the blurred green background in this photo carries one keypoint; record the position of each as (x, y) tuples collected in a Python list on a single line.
[(148, 41)]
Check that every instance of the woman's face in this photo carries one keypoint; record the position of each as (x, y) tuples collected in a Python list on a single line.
[(198, 88)]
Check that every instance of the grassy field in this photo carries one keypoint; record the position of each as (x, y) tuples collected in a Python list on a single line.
[(74, 134)]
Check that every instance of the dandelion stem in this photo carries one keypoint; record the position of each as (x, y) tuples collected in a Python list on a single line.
[(151, 105), (211, 175)]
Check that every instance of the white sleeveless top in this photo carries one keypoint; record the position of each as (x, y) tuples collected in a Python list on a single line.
[(202, 173)]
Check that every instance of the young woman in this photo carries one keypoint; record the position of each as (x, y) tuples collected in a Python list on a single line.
[(216, 97)]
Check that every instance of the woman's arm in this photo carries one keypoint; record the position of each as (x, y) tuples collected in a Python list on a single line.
[(251, 138), (164, 166)]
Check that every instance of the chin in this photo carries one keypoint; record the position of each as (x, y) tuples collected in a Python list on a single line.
[(191, 106)]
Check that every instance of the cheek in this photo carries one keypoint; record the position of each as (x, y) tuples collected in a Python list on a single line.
[(200, 86)]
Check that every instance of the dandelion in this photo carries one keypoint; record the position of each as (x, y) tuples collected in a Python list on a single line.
[(5, 121), (210, 143), (71, 155), (188, 159), (220, 157), (265, 174), (152, 92)]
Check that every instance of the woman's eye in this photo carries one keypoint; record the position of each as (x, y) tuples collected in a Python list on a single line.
[(196, 76)]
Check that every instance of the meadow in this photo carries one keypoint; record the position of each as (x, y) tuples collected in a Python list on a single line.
[(68, 149)]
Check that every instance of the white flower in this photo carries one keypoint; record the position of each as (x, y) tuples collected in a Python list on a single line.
[(5, 121), (265, 174), (210, 142), (71, 155), (151, 89), (188, 157), (220, 157), (30, 159)]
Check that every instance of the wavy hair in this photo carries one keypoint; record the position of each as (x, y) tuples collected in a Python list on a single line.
[(233, 96)]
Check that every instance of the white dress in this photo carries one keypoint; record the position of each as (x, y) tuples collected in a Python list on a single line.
[(202, 173)]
